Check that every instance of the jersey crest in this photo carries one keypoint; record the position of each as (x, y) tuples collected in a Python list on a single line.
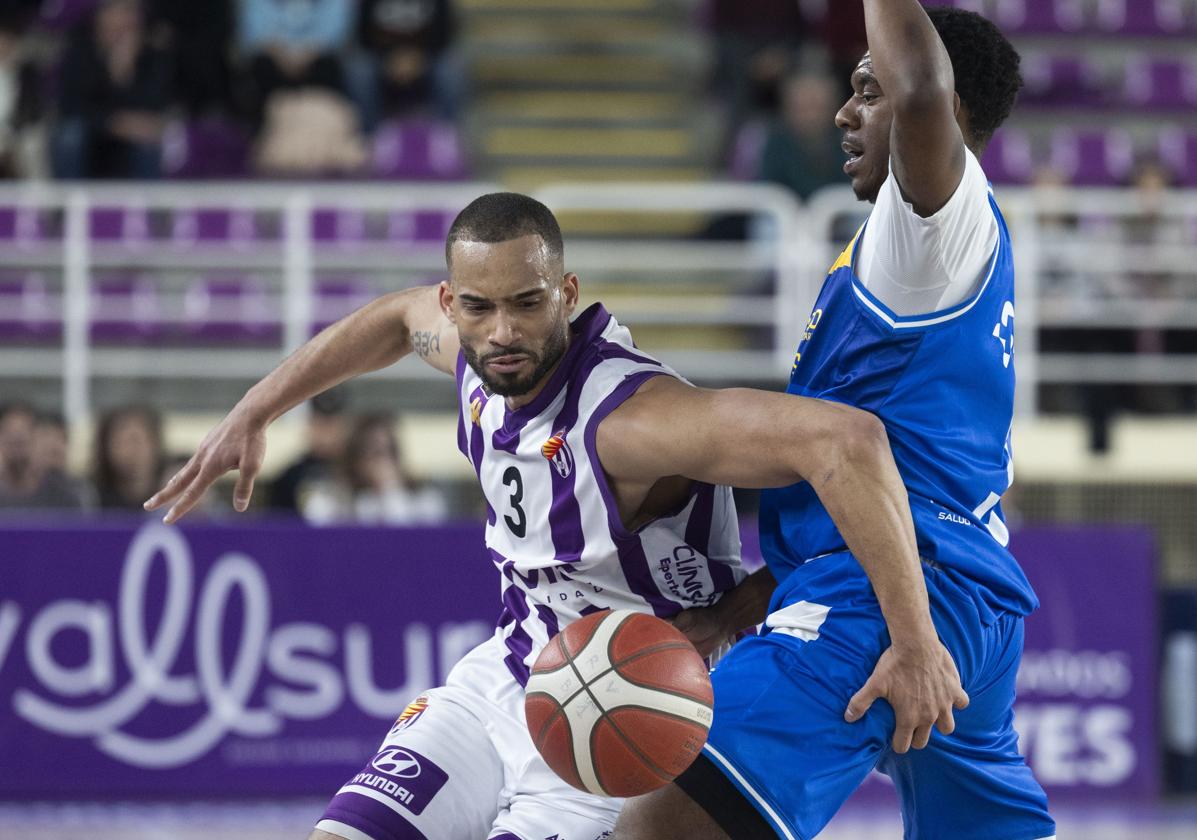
[(557, 451)]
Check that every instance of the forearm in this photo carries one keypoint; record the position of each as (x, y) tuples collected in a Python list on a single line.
[(909, 59), (373, 337), (747, 604), (862, 491)]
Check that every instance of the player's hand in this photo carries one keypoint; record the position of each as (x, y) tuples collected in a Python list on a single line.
[(922, 685), (706, 629), (238, 443)]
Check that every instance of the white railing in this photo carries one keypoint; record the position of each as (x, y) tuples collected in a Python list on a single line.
[(718, 310)]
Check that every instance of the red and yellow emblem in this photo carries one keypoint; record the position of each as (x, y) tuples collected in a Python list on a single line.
[(476, 406), (557, 452), (409, 715), (552, 446)]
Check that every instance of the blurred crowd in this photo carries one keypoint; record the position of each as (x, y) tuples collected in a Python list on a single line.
[(352, 469), (89, 87)]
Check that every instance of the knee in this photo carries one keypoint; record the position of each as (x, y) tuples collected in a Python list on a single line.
[(665, 814)]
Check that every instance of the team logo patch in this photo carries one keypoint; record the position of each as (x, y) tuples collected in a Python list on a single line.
[(411, 714), (556, 450), (407, 777), (476, 406)]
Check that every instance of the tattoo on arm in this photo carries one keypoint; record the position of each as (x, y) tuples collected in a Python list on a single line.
[(425, 343)]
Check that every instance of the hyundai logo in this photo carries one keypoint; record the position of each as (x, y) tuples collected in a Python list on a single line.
[(398, 763)]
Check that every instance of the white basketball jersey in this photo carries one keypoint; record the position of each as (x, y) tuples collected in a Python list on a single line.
[(553, 528)]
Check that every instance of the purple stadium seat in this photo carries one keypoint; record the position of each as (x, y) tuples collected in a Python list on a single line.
[(341, 226), (24, 225), (1008, 158), (1166, 84), (61, 15), (419, 150), (234, 310), (27, 314), (337, 297), (1092, 157), (207, 226), (123, 225), (404, 226), (1129, 17), (125, 310), (1058, 81), (210, 148), (1178, 151), (1040, 16)]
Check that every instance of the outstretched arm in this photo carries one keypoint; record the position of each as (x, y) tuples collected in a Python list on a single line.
[(373, 337), (750, 438), (915, 76)]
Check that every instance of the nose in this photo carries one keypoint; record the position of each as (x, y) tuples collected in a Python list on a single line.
[(504, 330), (848, 116)]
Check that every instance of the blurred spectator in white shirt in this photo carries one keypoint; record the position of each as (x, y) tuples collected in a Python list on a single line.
[(372, 485)]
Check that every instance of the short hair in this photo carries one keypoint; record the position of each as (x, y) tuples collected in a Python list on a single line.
[(986, 67), (502, 216)]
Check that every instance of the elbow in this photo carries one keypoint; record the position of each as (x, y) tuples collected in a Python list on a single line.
[(857, 441)]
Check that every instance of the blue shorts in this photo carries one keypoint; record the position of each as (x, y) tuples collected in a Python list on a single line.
[(780, 738)]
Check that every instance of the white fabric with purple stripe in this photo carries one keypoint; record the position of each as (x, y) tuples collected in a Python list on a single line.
[(538, 467)]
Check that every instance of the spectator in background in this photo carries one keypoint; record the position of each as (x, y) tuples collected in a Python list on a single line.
[(306, 125), (20, 103), (756, 44), (128, 457), (408, 65), (843, 33), (328, 427), (199, 36), (372, 485), (51, 452), (802, 149), (24, 482), (115, 88)]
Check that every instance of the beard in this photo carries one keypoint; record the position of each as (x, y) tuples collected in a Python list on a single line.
[(515, 385)]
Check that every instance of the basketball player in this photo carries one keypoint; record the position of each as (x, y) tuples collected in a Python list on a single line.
[(915, 324), (603, 473)]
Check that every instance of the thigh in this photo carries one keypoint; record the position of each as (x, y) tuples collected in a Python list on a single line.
[(436, 776), (974, 784), (779, 737), (563, 812)]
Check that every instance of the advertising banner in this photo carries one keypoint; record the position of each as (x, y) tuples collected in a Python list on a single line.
[(216, 661), (139, 660)]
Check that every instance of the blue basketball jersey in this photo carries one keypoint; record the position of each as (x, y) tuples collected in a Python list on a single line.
[(943, 384)]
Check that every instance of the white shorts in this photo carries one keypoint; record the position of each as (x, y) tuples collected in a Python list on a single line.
[(459, 765)]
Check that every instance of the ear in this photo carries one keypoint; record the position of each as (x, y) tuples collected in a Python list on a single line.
[(446, 301), (570, 293)]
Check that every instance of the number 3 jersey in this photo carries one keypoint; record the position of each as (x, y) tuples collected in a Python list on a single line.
[(943, 384), (553, 529)]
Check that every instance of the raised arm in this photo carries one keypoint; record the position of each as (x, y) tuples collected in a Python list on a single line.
[(750, 438), (914, 73), (373, 337)]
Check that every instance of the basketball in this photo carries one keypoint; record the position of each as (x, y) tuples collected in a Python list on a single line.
[(619, 703)]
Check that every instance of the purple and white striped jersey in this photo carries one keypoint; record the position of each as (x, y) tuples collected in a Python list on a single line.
[(553, 529)]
